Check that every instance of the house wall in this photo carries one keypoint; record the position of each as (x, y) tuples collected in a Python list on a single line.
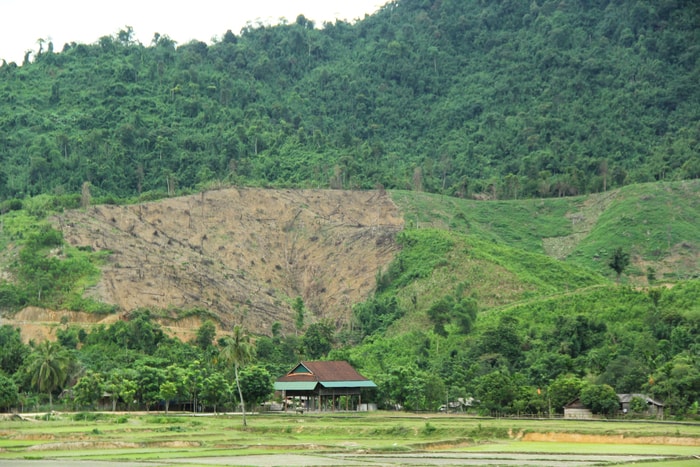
[(577, 413), (652, 410)]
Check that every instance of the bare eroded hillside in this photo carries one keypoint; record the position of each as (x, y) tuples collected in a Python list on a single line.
[(244, 254)]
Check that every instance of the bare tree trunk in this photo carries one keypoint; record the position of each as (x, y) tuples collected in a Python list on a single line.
[(240, 393)]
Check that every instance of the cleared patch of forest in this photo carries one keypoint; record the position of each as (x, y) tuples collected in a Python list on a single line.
[(429, 296)]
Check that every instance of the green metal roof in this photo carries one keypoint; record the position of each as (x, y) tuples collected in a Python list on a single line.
[(295, 385), (348, 384)]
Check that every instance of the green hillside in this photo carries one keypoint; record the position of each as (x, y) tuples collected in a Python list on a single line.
[(497, 323), (471, 306), (657, 223), (466, 98), (486, 307), (526, 145)]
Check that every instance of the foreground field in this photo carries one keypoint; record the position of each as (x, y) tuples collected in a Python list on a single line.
[(346, 439)]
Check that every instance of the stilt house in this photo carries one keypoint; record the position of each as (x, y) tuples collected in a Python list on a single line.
[(318, 386)]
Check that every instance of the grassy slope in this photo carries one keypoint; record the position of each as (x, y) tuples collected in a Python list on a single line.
[(498, 251), (520, 224), (436, 263), (656, 223)]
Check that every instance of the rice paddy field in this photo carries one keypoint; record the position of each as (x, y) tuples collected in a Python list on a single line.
[(377, 438)]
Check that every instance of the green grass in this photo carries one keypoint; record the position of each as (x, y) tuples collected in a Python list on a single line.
[(46, 271), (434, 263), (651, 222), (655, 223), (521, 223)]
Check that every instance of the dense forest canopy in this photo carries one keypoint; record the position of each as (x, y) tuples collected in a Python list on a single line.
[(507, 99)]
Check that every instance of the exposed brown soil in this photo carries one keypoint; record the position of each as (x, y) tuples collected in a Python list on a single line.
[(39, 324), (242, 254), (611, 439)]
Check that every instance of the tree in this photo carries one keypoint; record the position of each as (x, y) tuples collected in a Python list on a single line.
[(88, 389), (142, 333), (496, 391), (48, 368), (619, 261), (465, 314), (148, 382), (677, 383), (14, 351), (439, 314), (503, 340), (127, 391), (563, 390), (318, 340), (168, 391), (638, 405), (424, 391), (276, 330), (299, 309), (215, 390), (238, 352), (125, 35), (112, 386), (9, 395), (256, 383), (192, 381), (600, 398), (627, 373), (68, 337), (391, 385), (205, 334)]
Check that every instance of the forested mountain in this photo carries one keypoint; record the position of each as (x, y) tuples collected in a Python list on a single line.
[(521, 304), (502, 99)]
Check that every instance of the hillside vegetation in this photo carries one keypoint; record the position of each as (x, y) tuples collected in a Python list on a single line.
[(656, 223), (429, 286), (447, 194), (496, 99)]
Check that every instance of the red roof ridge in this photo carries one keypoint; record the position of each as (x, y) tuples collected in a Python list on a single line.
[(325, 370)]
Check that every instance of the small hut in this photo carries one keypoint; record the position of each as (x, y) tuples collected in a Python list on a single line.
[(653, 408), (576, 409)]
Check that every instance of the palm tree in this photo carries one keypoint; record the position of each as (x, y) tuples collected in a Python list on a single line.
[(238, 351), (49, 367)]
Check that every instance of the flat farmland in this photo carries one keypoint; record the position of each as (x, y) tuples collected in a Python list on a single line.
[(379, 438)]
